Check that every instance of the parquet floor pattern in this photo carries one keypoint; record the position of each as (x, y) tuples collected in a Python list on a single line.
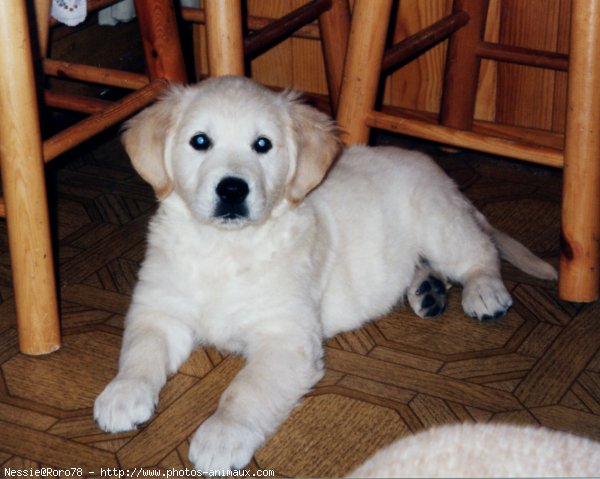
[(400, 374)]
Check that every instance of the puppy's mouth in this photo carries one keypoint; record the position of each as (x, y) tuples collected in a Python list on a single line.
[(226, 213), (231, 206)]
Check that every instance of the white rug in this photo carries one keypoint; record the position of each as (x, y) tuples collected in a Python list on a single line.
[(485, 450)]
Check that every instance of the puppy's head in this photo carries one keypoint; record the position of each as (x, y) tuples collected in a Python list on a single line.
[(233, 150)]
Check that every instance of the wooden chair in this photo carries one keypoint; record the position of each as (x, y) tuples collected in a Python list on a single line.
[(23, 153), (367, 57), (228, 50)]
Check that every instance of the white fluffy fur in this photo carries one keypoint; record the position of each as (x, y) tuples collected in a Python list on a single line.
[(298, 268), (485, 450)]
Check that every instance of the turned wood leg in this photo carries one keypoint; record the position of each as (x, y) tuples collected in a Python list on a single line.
[(366, 46), (162, 48), (335, 29), (224, 37), (24, 186), (578, 277), (462, 67)]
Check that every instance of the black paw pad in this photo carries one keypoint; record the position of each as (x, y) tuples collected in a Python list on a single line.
[(438, 285), (435, 311), (425, 287), (435, 297), (428, 301), (498, 314)]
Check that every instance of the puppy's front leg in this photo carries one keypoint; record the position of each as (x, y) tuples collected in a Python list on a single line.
[(150, 352), (278, 372)]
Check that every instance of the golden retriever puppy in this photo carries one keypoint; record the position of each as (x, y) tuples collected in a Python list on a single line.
[(252, 252)]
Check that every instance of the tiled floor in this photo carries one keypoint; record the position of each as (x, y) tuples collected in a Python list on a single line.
[(538, 365)]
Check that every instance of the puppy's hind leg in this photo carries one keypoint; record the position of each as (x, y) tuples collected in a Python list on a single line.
[(485, 296), (428, 292), (466, 254)]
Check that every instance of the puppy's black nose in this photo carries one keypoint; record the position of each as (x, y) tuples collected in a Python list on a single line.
[(232, 190)]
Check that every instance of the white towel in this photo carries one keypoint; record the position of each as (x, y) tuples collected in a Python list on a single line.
[(74, 12), (119, 12), (69, 12)]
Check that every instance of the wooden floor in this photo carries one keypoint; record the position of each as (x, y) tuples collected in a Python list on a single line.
[(538, 365)]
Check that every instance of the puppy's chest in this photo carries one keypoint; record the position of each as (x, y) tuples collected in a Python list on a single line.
[(232, 290), (221, 271), (221, 281), (225, 268)]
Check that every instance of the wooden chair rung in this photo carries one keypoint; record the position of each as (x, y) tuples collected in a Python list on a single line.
[(253, 23), (423, 40), (87, 73), (94, 124), (466, 139), (523, 56), (532, 136), (78, 103), (278, 30)]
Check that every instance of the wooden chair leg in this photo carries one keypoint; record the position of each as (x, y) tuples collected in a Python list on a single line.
[(225, 39), (366, 47), (462, 67), (42, 17), (158, 27), (24, 188), (579, 267), (335, 28)]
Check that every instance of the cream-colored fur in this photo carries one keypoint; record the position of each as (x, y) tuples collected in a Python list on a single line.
[(485, 450), (244, 255)]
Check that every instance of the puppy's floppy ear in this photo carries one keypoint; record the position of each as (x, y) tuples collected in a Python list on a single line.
[(317, 144), (145, 140)]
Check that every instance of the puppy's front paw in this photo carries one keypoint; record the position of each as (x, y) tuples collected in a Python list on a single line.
[(485, 297), (124, 404), (223, 445)]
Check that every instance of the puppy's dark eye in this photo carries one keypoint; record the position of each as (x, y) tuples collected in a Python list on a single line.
[(200, 142), (262, 145)]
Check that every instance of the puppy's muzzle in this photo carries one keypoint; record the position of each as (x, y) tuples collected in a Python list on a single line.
[(232, 194)]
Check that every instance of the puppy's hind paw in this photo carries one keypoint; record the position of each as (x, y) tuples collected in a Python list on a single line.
[(485, 298), (428, 294)]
